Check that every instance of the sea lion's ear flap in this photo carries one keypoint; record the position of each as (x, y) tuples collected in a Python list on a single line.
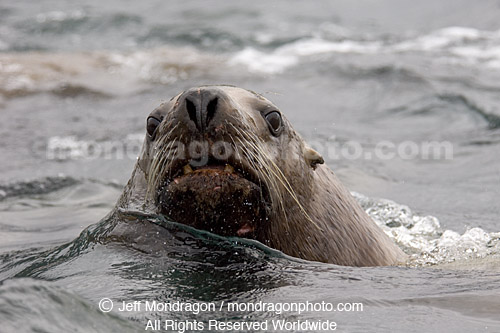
[(313, 158)]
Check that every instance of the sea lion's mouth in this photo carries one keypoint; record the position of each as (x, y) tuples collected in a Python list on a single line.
[(219, 197)]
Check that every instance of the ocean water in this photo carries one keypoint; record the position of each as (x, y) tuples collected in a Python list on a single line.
[(77, 81)]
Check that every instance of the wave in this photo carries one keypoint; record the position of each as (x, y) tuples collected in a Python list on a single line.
[(35, 187), (290, 55), (116, 73), (466, 113), (65, 311), (100, 73), (466, 46), (493, 120), (434, 103), (423, 238), (66, 29), (44, 186)]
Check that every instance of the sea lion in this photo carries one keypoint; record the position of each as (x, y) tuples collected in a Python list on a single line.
[(226, 160)]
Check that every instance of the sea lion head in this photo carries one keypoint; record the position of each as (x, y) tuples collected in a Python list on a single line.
[(226, 160)]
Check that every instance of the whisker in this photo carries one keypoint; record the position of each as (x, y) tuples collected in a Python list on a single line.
[(262, 156)]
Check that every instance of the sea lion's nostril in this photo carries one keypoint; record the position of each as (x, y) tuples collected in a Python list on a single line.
[(191, 109), (211, 109)]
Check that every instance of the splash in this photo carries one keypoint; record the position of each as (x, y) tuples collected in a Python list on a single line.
[(423, 238)]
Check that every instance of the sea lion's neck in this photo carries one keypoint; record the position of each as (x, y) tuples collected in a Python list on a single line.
[(339, 231)]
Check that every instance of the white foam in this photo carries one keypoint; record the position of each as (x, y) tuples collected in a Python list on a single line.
[(59, 16), (423, 238), (257, 61), (486, 55), (441, 38), (318, 46), (289, 55)]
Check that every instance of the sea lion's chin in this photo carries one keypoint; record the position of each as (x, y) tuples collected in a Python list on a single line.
[(216, 199)]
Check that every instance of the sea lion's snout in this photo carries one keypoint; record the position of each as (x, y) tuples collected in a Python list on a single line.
[(201, 109)]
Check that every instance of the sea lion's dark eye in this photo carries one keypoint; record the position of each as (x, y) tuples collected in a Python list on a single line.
[(152, 124), (274, 121)]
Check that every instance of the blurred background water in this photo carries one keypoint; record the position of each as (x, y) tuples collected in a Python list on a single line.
[(83, 77)]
